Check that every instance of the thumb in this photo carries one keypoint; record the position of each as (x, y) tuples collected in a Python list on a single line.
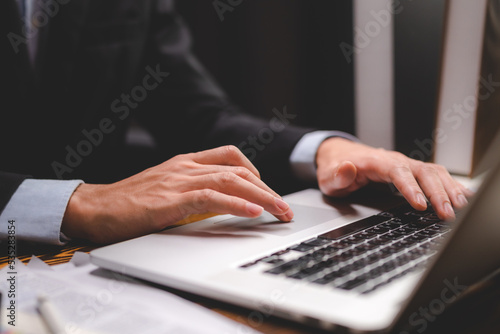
[(338, 182)]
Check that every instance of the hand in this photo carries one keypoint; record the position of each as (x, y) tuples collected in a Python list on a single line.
[(221, 180), (345, 166)]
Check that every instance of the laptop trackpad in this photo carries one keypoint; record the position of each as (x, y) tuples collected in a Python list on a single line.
[(305, 217)]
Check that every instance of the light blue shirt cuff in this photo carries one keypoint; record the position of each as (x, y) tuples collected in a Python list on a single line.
[(37, 208), (303, 157)]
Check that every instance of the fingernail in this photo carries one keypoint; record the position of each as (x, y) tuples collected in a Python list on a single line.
[(421, 200), (462, 201), (254, 209), (281, 204), (449, 210)]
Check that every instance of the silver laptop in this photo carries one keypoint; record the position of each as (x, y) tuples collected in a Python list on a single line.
[(339, 264)]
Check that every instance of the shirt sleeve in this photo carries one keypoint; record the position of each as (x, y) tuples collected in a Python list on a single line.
[(37, 210), (303, 157)]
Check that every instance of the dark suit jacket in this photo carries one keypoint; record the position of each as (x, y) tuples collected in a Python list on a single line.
[(95, 54)]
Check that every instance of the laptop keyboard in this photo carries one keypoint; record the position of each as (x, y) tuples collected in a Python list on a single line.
[(364, 255)]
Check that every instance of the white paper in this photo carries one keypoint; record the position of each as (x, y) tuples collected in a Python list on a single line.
[(90, 299)]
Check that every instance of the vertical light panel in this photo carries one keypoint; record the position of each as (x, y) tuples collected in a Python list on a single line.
[(461, 70), (373, 72)]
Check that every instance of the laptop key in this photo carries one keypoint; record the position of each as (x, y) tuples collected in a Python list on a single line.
[(306, 272), (347, 255), (439, 228), (378, 230), (433, 215), (330, 277), (317, 242), (418, 213), (417, 237), (356, 238), (414, 256), (388, 266), (408, 219), (416, 226), (284, 251), (354, 283), (400, 245), (428, 220), (283, 267), (370, 246), (429, 233), (336, 246), (386, 214), (359, 264), (375, 272), (301, 247), (348, 242), (418, 251), (373, 258), (273, 259), (367, 235), (362, 248), (247, 265), (311, 257), (404, 230), (390, 225), (380, 241), (402, 259), (393, 236), (354, 227)]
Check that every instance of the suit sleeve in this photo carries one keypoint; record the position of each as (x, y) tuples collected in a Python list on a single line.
[(188, 110)]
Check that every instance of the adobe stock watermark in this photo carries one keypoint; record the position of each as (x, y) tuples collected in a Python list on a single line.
[(258, 142), (455, 116), (364, 36), (121, 107), (421, 318), (47, 10), (264, 310), (223, 6)]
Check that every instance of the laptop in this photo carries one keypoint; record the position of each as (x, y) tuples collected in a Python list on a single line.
[(367, 264)]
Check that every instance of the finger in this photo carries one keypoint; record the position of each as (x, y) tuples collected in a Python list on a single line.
[(453, 189), (242, 172), (431, 183), (207, 200), (467, 192), (338, 181), (225, 155), (403, 179), (233, 185)]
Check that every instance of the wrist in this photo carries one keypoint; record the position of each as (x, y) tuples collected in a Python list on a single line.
[(329, 146), (78, 214)]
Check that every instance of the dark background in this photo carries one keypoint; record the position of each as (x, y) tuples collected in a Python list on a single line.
[(268, 54), (418, 36)]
